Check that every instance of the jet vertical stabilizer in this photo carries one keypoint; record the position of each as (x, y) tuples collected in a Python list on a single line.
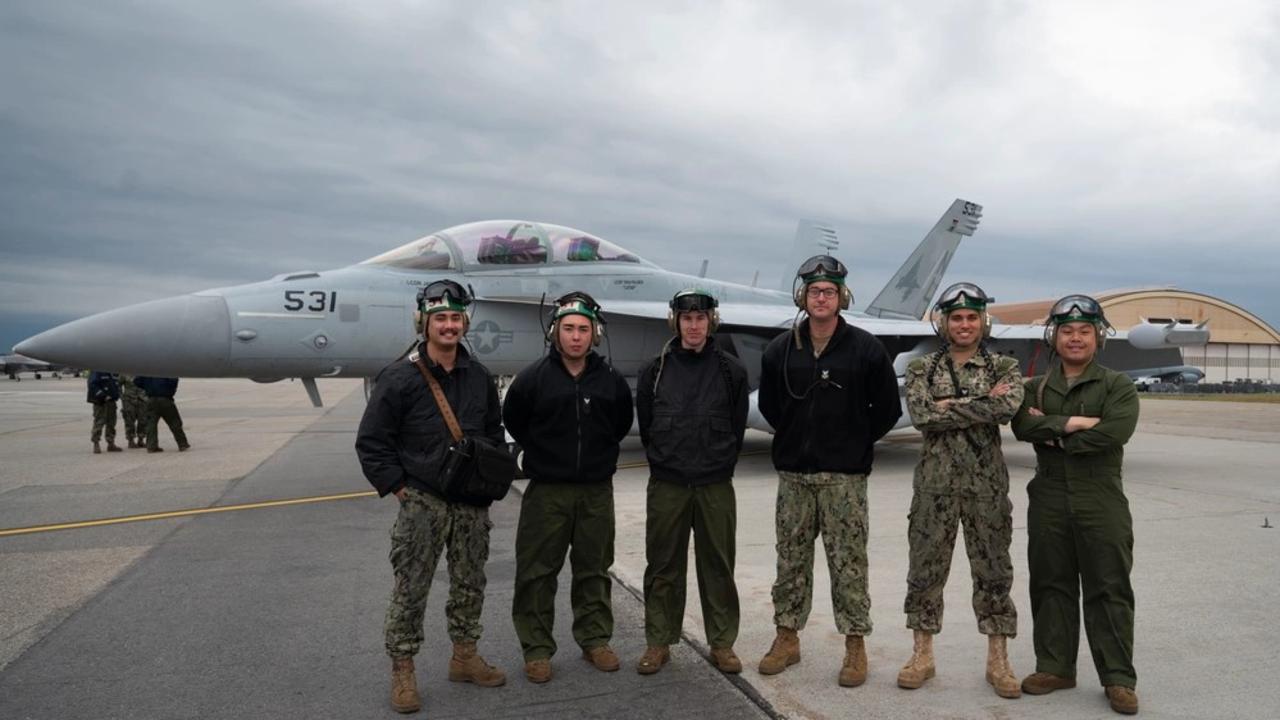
[(812, 238), (910, 291)]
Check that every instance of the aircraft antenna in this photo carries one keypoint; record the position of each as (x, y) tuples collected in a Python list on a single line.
[(546, 336)]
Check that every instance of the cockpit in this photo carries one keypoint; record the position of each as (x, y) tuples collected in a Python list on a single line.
[(493, 244)]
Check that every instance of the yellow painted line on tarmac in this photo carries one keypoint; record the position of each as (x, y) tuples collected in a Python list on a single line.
[(81, 524), (182, 513)]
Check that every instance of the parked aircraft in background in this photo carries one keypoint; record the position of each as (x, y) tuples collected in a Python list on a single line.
[(352, 321), (1177, 375), (15, 365)]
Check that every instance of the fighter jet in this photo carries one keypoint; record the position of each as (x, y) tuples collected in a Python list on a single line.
[(15, 365), (352, 321)]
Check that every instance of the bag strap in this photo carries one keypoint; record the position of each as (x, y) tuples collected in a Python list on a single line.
[(441, 401)]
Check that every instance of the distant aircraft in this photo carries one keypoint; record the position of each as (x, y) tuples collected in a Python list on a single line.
[(352, 321), (1177, 375), (14, 365)]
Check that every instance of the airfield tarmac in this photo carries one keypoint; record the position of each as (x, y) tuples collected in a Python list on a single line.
[(276, 611)]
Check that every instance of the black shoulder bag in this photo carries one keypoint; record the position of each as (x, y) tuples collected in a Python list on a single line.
[(474, 471)]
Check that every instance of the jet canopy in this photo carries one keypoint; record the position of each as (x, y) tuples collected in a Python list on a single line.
[(493, 244)]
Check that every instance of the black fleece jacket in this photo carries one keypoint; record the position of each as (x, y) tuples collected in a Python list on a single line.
[(403, 437), (569, 428), (692, 425), (848, 400)]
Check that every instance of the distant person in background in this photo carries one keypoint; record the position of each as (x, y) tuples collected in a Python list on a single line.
[(104, 391), (160, 405), (133, 406)]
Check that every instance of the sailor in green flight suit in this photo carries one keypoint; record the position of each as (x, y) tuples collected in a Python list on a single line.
[(1080, 533)]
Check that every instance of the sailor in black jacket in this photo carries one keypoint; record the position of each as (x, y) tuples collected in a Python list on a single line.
[(830, 392), (401, 444), (569, 410), (692, 404)]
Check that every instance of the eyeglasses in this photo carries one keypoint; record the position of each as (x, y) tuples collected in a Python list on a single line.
[(827, 293)]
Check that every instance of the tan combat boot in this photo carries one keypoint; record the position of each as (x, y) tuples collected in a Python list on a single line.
[(726, 660), (466, 665), (785, 652), (920, 667), (1123, 700), (404, 686), (538, 671), (1043, 683), (854, 670), (97, 449), (999, 674), (602, 658), (655, 656)]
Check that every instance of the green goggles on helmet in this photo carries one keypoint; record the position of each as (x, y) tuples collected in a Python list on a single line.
[(1077, 308), (691, 300), (821, 268), (577, 303), (963, 295), (442, 296)]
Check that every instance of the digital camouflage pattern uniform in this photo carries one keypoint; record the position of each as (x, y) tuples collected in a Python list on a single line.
[(133, 406), (104, 418), (961, 478), (425, 526), (835, 505)]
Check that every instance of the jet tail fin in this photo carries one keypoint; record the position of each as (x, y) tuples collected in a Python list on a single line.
[(910, 291), (812, 238)]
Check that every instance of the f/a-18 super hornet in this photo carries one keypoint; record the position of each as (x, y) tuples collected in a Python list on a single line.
[(352, 321)]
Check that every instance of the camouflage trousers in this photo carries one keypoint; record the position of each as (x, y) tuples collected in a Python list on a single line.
[(134, 410), (835, 506), (426, 527), (988, 530), (104, 417)]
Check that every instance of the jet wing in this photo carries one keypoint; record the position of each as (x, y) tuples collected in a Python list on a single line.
[(769, 316)]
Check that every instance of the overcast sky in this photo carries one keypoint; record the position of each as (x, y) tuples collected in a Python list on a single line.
[(149, 149)]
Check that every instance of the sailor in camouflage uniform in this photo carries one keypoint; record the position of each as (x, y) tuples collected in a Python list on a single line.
[(133, 406), (829, 390), (401, 443), (958, 397)]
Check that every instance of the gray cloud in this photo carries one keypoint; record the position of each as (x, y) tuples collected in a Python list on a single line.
[(148, 149)]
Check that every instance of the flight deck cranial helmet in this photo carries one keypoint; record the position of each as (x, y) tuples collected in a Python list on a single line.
[(820, 268), (1075, 308), (442, 296), (691, 300), (577, 303), (962, 295)]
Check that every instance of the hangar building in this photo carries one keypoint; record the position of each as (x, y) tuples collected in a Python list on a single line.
[(1241, 345)]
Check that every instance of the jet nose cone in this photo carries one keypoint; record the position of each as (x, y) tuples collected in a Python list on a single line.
[(186, 336)]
